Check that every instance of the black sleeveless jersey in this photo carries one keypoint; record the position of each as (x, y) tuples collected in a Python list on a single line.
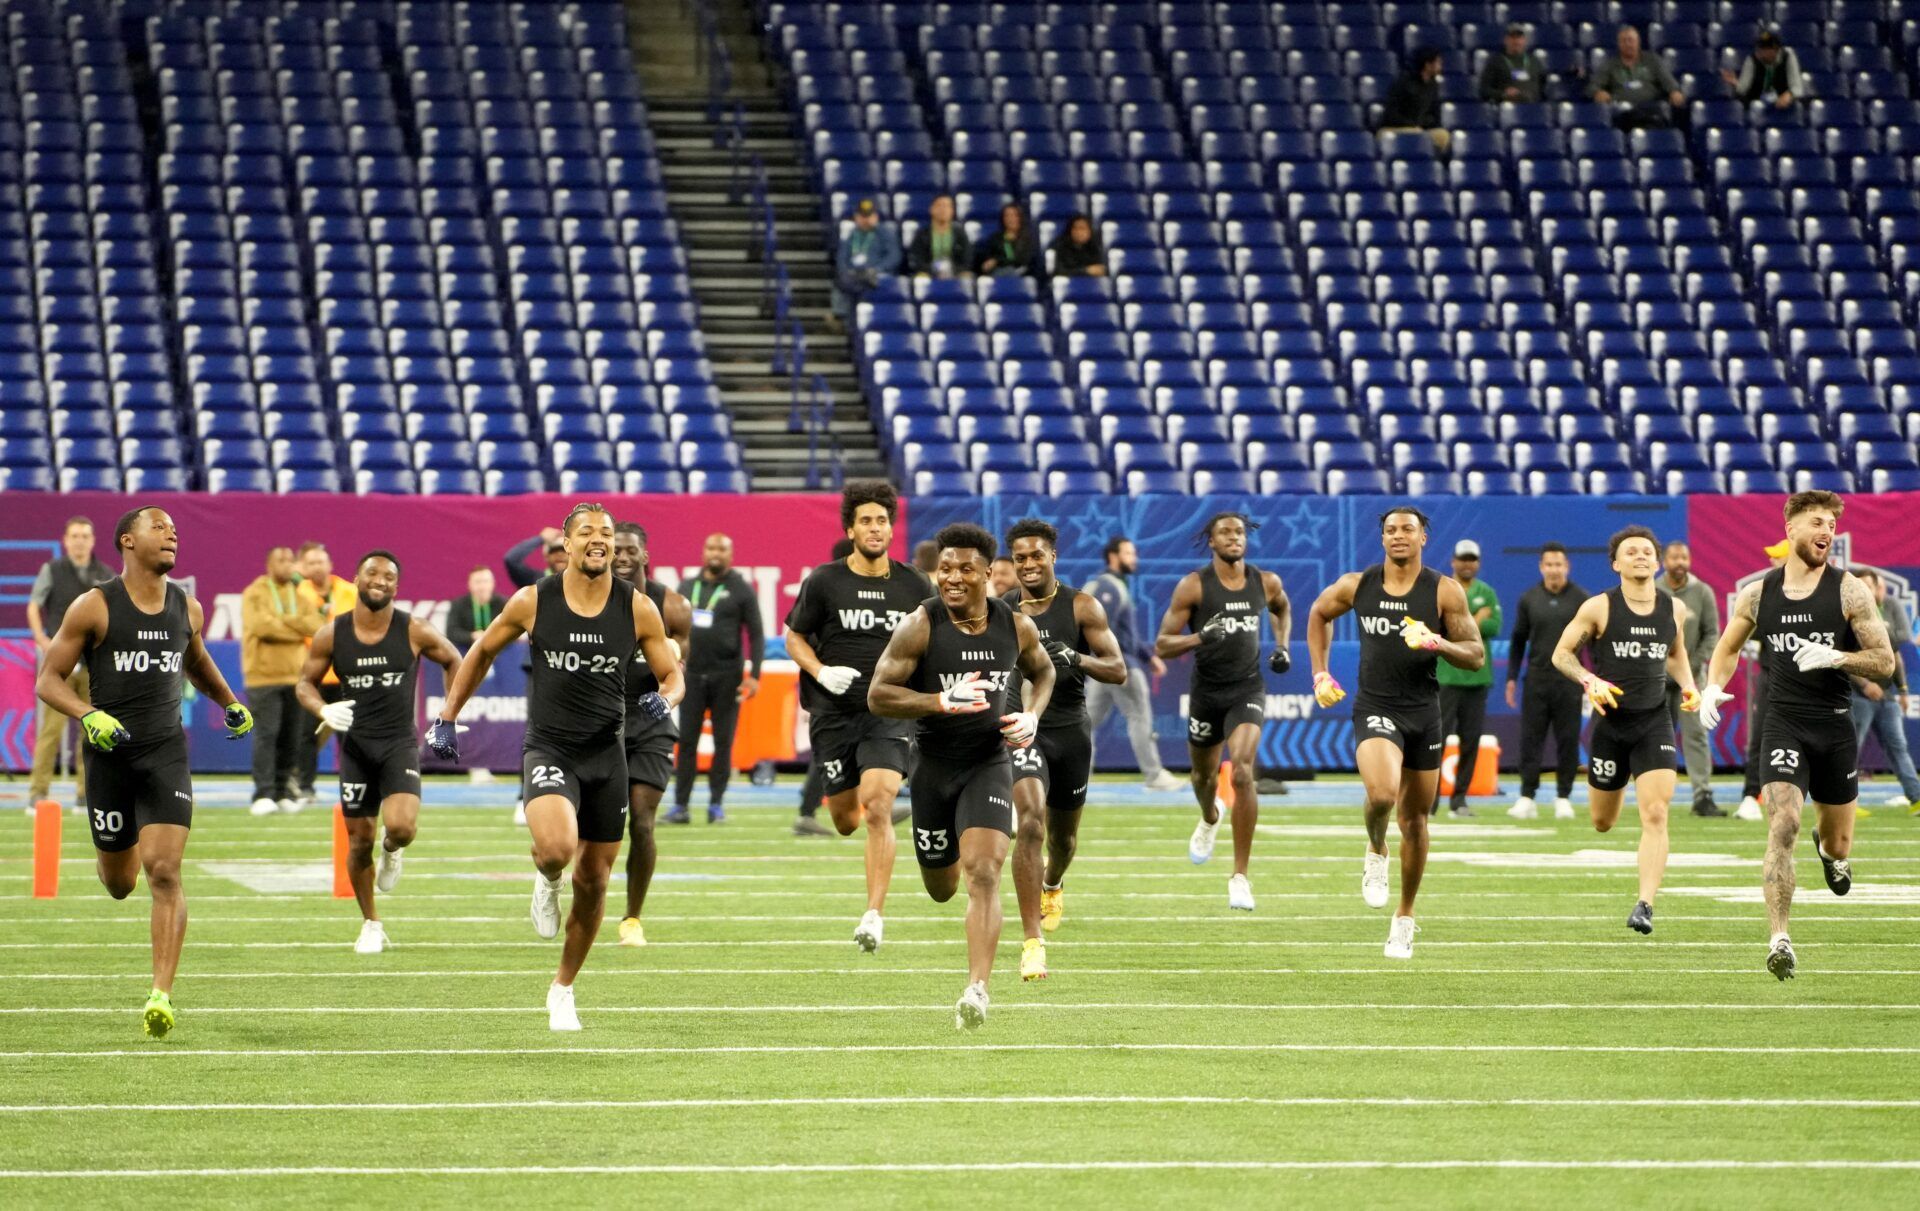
[(1234, 660), (576, 690), (378, 677), (136, 671), (951, 654), (640, 678), (1785, 624), (1391, 673), (1068, 705), (848, 619), (1632, 651)]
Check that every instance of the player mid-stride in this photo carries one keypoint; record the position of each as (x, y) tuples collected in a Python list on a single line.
[(140, 635), (374, 650)]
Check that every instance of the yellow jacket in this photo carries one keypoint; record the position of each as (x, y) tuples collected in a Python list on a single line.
[(341, 598), (275, 625)]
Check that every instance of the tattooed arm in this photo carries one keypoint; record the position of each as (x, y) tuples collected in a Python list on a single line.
[(1874, 660)]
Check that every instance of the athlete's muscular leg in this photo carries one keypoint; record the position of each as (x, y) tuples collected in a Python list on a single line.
[(161, 848), (556, 833), (1418, 788), (119, 872), (1605, 806), (876, 793), (1063, 840), (983, 851), (1243, 749), (1029, 839), (1836, 828), (1379, 762), (643, 803), (360, 831), (590, 875), (941, 882), (1205, 778), (1782, 801), (1654, 792)]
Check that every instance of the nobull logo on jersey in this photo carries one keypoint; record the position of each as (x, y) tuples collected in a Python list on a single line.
[(870, 620), (1633, 649), (996, 681)]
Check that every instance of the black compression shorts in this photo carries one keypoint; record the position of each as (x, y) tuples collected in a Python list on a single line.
[(950, 797), (1626, 744), (372, 770), (1062, 759), (1818, 755), (848, 745), (1215, 712), (650, 753), (595, 783), (128, 791), (1416, 733)]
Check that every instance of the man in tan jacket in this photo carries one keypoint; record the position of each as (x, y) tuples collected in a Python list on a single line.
[(320, 589), (275, 624)]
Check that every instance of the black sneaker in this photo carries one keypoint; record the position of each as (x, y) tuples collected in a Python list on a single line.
[(1703, 805), (1780, 960), (1839, 871), (1641, 919)]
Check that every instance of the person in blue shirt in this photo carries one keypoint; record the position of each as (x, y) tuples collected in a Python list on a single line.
[(870, 252), (1114, 591)]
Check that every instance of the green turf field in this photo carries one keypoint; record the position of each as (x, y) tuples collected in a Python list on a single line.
[(1533, 1053)]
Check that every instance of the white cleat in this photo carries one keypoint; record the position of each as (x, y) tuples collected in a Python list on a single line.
[(1563, 809), (388, 872), (520, 814), (971, 1012), (1165, 781), (372, 940), (1524, 808), (870, 932), (1400, 938), (1373, 880), (263, 807), (290, 807), (1749, 809), (1240, 893), (561, 1015), (1200, 845), (546, 907)]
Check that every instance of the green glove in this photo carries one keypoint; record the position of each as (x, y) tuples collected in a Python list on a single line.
[(239, 721), (103, 731)]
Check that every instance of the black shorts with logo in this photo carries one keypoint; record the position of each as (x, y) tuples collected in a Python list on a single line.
[(372, 770), (1626, 744), (128, 791), (950, 797), (1416, 733), (1216, 712), (595, 783), (1062, 759), (1818, 754), (650, 752), (847, 745)]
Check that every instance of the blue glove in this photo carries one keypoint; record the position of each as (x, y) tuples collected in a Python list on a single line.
[(440, 739), (653, 706), (1280, 661)]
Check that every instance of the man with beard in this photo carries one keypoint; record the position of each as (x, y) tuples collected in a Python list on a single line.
[(374, 649)]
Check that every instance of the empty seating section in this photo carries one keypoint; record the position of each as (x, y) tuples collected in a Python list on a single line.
[(380, 247), (1296, 304)]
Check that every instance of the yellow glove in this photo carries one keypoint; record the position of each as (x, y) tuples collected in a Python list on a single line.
[(1327, 691), (1603, 694), (1689, 700), (1418, 635)]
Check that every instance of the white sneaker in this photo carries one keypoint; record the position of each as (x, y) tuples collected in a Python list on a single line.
[(1373, 880), (1200, 845), (1240, 893), (1524, 808), (388, 872), (1164, 781), (561, 1015), (546, 907), (1749, 809), (480, 777), (1563, 809), (263, 807), (289, 807), (868, 934), (373, 939), (520, 814), (1896, 800), (1400, 938), (971, 1012)]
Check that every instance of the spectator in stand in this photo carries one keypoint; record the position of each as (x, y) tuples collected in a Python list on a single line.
[(319, 589), (1077, 251), (1413, 103), (1012, 250), (1640, 87), (521, 573), (1771, 73), (940, 248), (276, 622), (60, 583), (1880, 707), (1113, 589), (870, 252), (470, 615), (1516, 75)]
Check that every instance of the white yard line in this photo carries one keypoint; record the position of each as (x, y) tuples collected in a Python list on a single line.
[(1020, 1007), (869, 969), (958, 940), (1788, 1051)]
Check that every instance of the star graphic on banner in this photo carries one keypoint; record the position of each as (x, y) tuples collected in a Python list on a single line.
[(1305, 525)]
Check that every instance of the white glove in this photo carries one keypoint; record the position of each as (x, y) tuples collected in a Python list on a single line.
[(968, 696), (1711, 700), (1812, 656), (837, 678), (338, 715), (1019, 728)]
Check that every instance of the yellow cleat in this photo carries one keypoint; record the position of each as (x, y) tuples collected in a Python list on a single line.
[(631, 934), (1033, 960), (1051, 908), (158, 1018), (1861, 813)]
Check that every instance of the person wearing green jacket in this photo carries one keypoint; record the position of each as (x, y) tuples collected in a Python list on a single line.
[(1463, 692)]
